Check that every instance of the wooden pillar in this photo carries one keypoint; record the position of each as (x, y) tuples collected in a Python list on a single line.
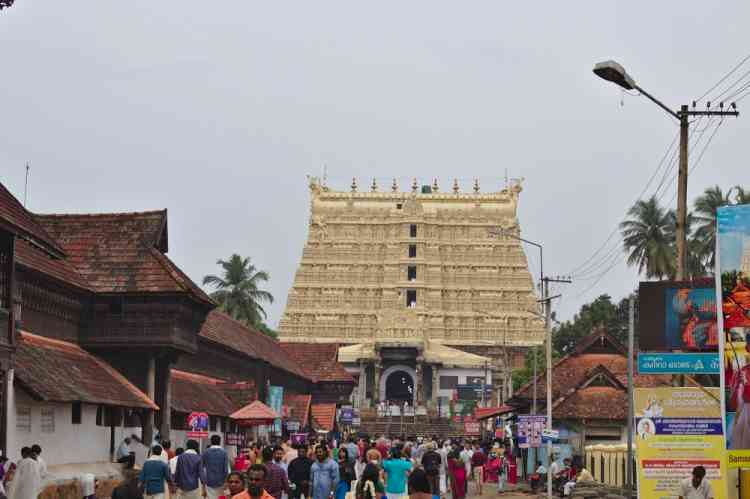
[(418, 389), (166, 401), (148, 424)]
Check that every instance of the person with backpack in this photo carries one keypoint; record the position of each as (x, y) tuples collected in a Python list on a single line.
[(431, 462)]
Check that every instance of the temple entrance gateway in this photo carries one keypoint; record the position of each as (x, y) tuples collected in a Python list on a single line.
[(399, 387), (398, 384)]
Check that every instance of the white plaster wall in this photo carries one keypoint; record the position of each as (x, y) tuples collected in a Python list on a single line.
[(463, 374), (69, 443)]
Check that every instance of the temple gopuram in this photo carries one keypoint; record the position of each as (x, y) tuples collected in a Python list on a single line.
[(423, 291)]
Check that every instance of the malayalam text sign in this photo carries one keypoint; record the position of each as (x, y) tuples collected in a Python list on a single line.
[(676, 430), (678, 363)]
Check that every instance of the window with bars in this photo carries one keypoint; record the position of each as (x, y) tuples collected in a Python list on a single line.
[(23, 419), (47, 420)]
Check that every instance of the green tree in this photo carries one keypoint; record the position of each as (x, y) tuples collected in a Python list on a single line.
[(648, 237), (599, 313), (267, 330), (705, 234), (238, 291), (526, 373)]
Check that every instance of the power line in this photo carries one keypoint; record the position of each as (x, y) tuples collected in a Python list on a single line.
[(582, 267), (732, 86), (723, 79)]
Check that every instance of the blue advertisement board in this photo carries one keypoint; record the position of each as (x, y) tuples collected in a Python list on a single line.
[(275, 399), (678, 363)]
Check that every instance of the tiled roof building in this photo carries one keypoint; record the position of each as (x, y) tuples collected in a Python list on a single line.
[(589, 390)]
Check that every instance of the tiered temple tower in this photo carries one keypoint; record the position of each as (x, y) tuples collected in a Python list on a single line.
[(391, 269)]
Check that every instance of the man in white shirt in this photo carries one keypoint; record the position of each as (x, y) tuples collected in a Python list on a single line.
[(26, 483), (696, 487), (36, 452)]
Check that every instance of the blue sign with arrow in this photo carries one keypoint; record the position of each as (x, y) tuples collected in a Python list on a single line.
[(678, 363)]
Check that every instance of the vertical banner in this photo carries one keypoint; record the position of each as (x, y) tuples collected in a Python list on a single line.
[(275, 399), (677, 429), (733, 292)]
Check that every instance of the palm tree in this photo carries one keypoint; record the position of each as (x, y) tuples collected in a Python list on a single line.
[(742, 196), (237, 290), (705, 235), (648, 236)]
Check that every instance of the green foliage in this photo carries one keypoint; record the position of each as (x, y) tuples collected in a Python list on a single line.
[(238, 292), (526, 373), (267, 330)]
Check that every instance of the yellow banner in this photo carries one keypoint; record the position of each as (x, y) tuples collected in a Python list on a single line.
[(677, 429)]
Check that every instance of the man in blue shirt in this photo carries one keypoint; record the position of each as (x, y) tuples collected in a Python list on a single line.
[(153, 475), (188, 472), (324, 475), (214, 468), (397, 470)]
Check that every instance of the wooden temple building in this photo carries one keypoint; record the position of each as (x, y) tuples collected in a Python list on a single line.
[(103, 336)]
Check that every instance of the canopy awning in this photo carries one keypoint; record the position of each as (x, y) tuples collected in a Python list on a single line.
[(256, 413), (492, 412)]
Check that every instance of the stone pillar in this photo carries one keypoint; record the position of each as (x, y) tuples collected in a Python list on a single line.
[(148, 424), (435, 386), (418, 395), (376, 388), (362, 384)]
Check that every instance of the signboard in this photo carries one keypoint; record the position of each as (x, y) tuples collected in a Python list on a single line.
[(275, 399), (347, 415), (197, 423), (530, 431), (551, 434), (678, 363), (292, 426), (235, 439), (678, 316), (472, 428), (298, 438), (733, 289), (677, 429)]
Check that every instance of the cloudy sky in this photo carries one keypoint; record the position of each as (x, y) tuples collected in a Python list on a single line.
[(218, 110)]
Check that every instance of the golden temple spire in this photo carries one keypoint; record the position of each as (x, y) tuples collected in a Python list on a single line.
[(455, 186), (394, 187), (434, 185), (354, 184), (374, 185), (414, 185), (476, 186)]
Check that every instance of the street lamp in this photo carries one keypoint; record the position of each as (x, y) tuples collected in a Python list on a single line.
[(615, 73)]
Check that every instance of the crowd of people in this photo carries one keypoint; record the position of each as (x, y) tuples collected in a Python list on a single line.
[(23, 479)]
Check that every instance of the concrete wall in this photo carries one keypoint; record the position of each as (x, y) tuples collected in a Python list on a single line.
[(69, 443)]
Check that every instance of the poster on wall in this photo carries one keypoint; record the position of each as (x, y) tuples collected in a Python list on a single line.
[(677, 429), (733, 292), (275, 399), (678, 316), (530, 431), (197, 423)]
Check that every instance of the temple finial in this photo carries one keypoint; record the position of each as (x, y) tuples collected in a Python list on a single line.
[(455, 186), (374, 185), (476, 186), (354, 184), (394, 187), (434, 185), (414, 185)]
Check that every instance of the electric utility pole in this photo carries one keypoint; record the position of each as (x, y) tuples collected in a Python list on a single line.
[(631, 416), (614, 72), (547, 299)]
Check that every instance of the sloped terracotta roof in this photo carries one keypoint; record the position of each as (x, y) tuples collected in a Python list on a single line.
[(59, 371), (58, 268), (121, 252), (323, 416), (573, 369), (594, 402), (240, 394), (255, 411), (492, 412), (222, 329), (299, 406), (16, 218), (198, 393), (319, 360)]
